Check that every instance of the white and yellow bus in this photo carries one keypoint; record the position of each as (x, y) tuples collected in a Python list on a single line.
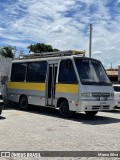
[(66, 80)]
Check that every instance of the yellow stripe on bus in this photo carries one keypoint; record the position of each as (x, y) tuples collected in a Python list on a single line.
[(27, 86), (67, 88)]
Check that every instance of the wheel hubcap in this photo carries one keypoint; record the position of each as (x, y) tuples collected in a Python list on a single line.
[(65, 109)]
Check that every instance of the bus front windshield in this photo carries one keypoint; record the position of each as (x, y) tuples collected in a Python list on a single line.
[(91, 72)]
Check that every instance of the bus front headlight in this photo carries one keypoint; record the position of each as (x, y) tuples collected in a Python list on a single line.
[(86, 94)]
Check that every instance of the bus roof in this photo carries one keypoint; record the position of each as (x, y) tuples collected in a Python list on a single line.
[(51, 56)]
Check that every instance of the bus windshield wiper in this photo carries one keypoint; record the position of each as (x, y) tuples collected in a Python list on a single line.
[(90, 83), (104, 83)]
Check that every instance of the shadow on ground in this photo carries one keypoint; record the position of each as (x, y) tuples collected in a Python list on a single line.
[(117, 111), (2, 118), (78, 117)]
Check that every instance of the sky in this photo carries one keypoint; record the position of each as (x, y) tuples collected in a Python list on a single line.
[(65, 25)]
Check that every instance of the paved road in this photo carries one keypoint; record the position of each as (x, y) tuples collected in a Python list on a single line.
[(42, 129)]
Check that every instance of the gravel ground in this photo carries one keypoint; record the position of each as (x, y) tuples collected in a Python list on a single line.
[(43, 129)]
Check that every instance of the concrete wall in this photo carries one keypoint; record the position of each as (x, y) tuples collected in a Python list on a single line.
[(5, 67)]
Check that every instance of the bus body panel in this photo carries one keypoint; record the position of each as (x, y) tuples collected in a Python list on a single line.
[(105, 89), (70, 92), (35, 92)]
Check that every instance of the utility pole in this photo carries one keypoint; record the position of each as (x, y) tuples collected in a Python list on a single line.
[(111, 65), (90, 41)]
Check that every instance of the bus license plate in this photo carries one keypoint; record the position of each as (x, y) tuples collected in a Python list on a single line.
[(103, 103)]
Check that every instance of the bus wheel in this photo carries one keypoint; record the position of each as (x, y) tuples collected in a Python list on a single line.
[(91, 113), (64, 109), (23, 103), (0, 111)]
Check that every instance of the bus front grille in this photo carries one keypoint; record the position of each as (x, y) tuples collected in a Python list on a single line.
[(97, 95), (95, 107), (105, 107), (100, 107)]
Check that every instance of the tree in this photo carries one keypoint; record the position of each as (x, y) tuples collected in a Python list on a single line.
[(41, 47), (8, 51)]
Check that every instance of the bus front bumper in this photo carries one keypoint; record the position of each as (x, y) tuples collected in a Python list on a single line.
[(90, 105)]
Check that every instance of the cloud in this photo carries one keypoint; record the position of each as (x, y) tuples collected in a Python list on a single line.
[(118, 1), (97, 53), (64, 25)]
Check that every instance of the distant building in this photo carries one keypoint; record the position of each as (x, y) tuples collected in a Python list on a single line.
[(113, 75)]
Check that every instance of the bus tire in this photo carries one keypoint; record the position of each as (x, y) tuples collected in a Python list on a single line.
[(23, 103), (91, 113), (64, 109), (0, 111)]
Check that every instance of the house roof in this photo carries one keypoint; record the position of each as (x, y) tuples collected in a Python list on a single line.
[(112, 72)]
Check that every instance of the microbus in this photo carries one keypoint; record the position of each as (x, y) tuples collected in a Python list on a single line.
[(66, 80)]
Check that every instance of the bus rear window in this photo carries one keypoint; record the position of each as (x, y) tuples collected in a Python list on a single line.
[(18, 72)]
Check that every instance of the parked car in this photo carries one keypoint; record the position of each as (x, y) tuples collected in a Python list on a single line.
[(117, 95)]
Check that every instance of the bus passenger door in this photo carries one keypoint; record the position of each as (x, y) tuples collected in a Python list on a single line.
[(51, 83)]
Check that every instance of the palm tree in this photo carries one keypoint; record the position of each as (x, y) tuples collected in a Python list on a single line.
[(8, 51)]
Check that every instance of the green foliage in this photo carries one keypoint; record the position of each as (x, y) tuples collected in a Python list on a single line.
[(55, 50), (8, 51), (41, 47)]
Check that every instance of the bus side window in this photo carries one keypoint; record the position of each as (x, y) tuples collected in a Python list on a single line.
[(18, 72), (67, 72), (36, 71)]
